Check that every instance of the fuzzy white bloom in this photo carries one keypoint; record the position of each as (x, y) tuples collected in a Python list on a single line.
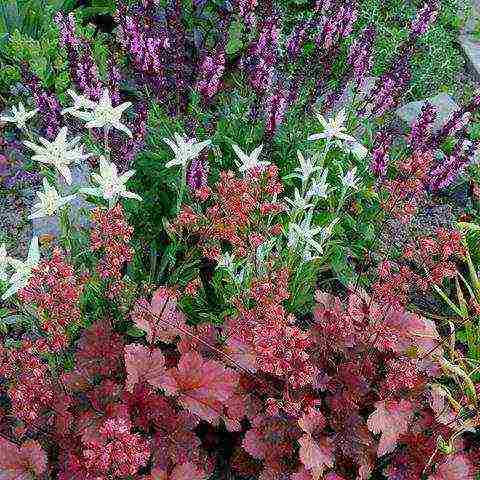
[(60, 153), (110, 184), (247, 162), (3, 263), (23, 270), (49, 201), (350, 179), (184, 149), (226, 261), (79, 102), (333, 128), (19, 116), (320, 187), (101, 114), (302, 235), (306, 169), (356, 149), (299, 203)]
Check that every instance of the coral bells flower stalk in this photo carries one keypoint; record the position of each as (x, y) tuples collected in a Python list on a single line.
[(55, 291), (111, 235)]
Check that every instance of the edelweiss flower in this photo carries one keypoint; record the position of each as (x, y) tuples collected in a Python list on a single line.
[(320, 187), (110, 184), (23, 270), (60, 153), (350, 179), (50, 201), (101, 114), (303, 236), (19, 116), (79, 102), (299, 203), (306, 169), (247, 162), (184, 149), (3, 263), (333, 128)]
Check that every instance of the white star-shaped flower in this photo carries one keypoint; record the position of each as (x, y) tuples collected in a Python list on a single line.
[(184, 149), (19, 116), (247, 162), (79, 102), (110, 184), (306, 169), (320, 187), (333, 128), (60, 153), (49, 201), (299, 203), (350, 179), (3, 263), (101, 114), (23, 270)]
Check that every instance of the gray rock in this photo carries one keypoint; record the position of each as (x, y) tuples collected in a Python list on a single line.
[(469, 12), (471, 47), (444, 103)]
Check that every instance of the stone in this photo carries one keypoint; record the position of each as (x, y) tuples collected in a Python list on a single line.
[(471, 47), (445, 107), (469, 12)]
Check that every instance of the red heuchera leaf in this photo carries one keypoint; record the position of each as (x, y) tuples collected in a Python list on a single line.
[(315, 454), (311, 421), (391, 419), (254, 444), (455, 467), (143, 364), (186, 471), (202, 386), (159, 318), (18, 463)]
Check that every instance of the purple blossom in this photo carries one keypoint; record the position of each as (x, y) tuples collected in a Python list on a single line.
[(83, 69), (360, 57), (448, 171), (425, 17), (262, 56), (422, 127), (210, 73), (391, 85), (49, 108), (275, 108), (197, 174), (383, 142)]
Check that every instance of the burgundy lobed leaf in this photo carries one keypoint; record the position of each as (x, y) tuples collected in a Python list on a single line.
[(315, 454), (143, 364), (391, 419), (201, 386), (455, 467), (21, 463)]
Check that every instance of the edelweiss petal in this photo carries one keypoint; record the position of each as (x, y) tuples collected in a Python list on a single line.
[(50, 201), (19, 116), (248, 162), (60, 153), (184, 149), (23, 270), (110, 184), (333, 128)]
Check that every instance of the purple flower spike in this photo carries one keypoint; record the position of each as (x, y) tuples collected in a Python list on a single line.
[(425, 17), (383, 142), (422, 127)]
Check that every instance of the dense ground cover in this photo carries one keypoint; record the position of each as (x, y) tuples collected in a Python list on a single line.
[(240, 263)]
